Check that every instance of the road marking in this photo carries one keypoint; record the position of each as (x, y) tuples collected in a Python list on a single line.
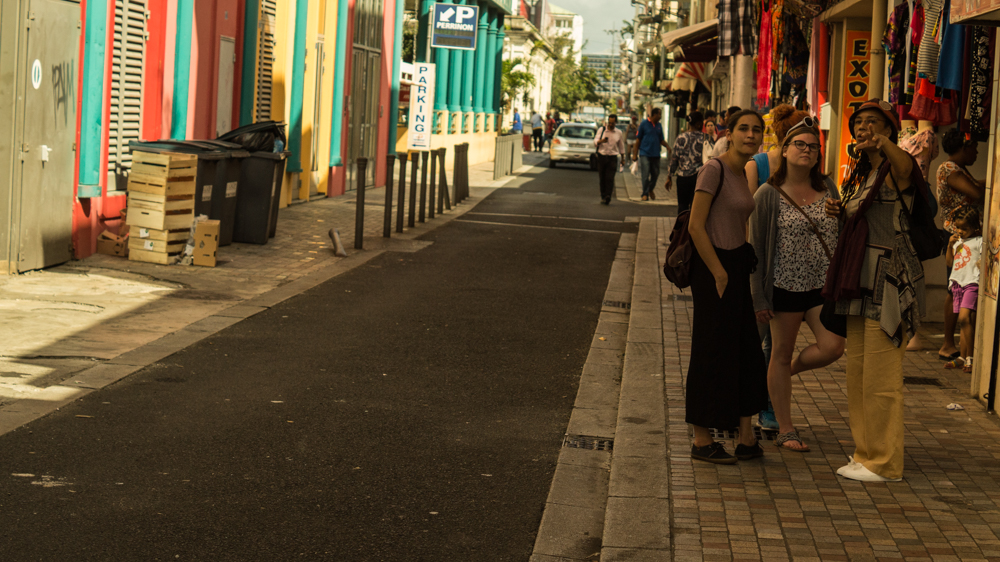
[(537, 226), (543, 217)]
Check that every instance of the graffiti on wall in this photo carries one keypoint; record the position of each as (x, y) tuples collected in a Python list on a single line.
[(64, 94)]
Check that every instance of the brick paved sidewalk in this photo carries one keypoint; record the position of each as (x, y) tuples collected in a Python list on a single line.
[(793, 506)]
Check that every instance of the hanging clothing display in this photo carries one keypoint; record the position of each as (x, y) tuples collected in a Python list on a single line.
[(794, 53), (764, 60), (894, 42), (976, 122), (812, 73), (916, 35), (950, 59), (927, 56), (923, 146), (737, 28)]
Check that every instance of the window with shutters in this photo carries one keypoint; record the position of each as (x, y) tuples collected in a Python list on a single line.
[(265, 59), (127, 61)]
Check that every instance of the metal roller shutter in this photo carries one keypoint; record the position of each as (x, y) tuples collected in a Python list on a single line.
[(127, 62)]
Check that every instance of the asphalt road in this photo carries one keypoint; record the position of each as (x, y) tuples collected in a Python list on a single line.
[(410, 409)]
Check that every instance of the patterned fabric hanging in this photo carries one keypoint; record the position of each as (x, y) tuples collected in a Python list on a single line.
[(764, 61)]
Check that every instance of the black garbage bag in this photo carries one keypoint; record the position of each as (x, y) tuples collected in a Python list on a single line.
[(258, 137)]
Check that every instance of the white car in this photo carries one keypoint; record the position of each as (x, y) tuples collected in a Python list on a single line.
[(573, 142)]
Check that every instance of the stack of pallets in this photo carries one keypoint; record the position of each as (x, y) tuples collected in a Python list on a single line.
[(160, 205)]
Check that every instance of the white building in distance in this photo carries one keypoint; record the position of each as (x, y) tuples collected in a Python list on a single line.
[(566, 23)]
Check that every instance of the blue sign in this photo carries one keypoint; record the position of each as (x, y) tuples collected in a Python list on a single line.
[(454, 26)]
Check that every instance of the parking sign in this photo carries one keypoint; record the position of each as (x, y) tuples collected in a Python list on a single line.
[(454, 26), (421, 107)]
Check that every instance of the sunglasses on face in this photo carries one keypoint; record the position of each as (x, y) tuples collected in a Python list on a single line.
[(807, 122)]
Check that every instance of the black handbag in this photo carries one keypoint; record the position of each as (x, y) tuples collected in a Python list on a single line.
[(927, 239)]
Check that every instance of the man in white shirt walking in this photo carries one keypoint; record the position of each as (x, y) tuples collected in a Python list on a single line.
[(610, 143), (537, 130)]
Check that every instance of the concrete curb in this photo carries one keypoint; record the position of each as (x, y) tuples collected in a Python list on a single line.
[(573, 522), (52, 398)]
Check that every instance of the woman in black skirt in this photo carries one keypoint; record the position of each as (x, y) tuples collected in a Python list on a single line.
[(727, 377)]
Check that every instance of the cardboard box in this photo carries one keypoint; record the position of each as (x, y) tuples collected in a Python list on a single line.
[(112, 245), (206, 243)]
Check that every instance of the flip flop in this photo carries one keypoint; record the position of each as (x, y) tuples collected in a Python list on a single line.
[(792, 435), (949, 357), (954, 363)]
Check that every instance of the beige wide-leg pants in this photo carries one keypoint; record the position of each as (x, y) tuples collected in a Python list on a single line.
[(875, 397)]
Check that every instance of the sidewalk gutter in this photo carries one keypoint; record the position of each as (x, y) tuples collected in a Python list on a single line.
[(54, 397), (572, 524)]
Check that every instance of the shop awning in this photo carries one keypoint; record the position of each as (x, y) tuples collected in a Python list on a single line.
[(693, 43)]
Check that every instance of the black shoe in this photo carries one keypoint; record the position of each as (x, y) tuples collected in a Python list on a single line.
[(747, 452), (714, 453), (606, 201)]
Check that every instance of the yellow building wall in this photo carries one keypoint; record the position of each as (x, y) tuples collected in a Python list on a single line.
[(321, 139), (281, 80), (309, 98), (482, 146)]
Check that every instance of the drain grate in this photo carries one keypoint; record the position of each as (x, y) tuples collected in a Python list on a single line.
[(588, 442), (725, 434), (618, 304), (926, 381)]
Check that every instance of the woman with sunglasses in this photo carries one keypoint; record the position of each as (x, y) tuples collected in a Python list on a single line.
[(783, 118), (727, 378), (882, 298), (794, 240)]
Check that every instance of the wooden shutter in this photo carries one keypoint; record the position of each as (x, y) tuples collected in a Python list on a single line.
[(265, 59), (127, 61)]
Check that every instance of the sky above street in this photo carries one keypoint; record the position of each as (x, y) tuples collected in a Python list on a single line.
[(598, 16)]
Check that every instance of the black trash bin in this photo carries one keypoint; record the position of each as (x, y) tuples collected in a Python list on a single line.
[(259, 197), (216, 181)]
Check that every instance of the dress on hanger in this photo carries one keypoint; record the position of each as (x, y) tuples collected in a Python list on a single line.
[(917, 146), (894, 42)]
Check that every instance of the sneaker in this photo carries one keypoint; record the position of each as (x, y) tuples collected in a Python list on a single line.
[(767, 420), (848, 467), (714, 453), (862, 474)]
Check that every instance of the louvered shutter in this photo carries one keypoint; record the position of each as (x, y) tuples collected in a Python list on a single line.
[(127, 61), (265, 59)]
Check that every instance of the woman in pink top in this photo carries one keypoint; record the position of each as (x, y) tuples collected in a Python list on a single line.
[(727, 377)]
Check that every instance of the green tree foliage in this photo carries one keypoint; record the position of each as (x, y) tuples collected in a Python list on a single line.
[(516, 78), (572, 84)]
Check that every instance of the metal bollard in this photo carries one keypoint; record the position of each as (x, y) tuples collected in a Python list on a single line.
[(412, 214), (465, 171), (444, 198), (433, 185), (390, 166), (401, 200), (423, 186), (359, 212)]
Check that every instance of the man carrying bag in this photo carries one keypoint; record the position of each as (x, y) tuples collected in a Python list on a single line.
[(610, 144)]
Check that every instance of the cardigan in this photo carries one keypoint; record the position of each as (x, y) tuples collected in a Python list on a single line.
[(764, 238)]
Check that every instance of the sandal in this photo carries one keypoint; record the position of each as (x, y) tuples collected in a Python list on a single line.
[(792, 435), (967, 368), (956, 363), (948, 357)]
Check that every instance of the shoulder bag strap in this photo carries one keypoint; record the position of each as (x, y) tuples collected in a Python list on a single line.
[(812, 223)]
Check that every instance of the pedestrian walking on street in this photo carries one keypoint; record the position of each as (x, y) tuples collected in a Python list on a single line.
[(550, 128), (759, 168), (631, 132), (685, 161), (536, 131), (964, 249), (877, 281), (956, 187), (794, 240), (649, 139), (610, 143), (727, 377), (517, 127), (722, 143)]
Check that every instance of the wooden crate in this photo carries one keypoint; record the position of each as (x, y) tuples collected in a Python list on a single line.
[(164, 235), (160, 246), (166, 174), (150, 257), (160, 212)]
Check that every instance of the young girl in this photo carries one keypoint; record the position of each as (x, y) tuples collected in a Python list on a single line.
[(964, 249)]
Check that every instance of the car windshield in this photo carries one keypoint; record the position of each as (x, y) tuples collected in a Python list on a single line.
[(577, 132)]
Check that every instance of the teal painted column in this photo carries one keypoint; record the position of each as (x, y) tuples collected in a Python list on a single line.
[(298, 81), (499, 65), (455, 79), (248, 77), (442, 66), (182, 70), (482, 68), (92, 110), (339, 69), (397, 59), (468, 73), (423, 21), (489, 53)]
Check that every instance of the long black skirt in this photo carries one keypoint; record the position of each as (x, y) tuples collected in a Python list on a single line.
[(727, 376)]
